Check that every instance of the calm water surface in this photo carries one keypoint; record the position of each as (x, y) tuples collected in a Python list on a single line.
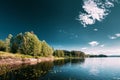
[(75, 69)]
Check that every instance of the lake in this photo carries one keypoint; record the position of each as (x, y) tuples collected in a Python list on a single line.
[(69, 69)]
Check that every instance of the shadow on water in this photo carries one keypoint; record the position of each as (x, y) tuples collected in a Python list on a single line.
[(33, 72)]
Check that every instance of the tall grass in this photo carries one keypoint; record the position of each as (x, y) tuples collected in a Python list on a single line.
[(5, 55)]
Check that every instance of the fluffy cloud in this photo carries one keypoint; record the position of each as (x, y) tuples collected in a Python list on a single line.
[(93, 43), (96, 10), (115, 36), (85, 19)]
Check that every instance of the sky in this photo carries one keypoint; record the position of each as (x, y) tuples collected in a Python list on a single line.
[(92, 26)]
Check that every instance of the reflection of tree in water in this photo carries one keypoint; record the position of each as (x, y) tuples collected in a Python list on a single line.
[(28, 73), (59, 62), (33, 72), (77, 61), (4, 69), (65, 61)]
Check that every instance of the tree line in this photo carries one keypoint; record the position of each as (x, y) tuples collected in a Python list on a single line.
[(29, 44), (65, 53)]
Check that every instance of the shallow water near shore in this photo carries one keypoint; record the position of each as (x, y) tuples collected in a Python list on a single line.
[(68, 69)]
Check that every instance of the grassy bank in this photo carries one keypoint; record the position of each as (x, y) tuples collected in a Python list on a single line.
[(4, 55), (17, 58), (14, 59)]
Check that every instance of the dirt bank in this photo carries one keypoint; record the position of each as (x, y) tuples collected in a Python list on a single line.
[(16, 61)]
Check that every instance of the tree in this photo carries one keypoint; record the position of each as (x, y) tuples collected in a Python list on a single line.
[(16, 43), (2, 46), (31, 45), (7, 42), (77, 54), (59, 53), (27, 43), (46, 49)]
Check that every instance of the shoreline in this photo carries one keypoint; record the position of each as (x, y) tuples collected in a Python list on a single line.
[(20, 59), (31, 61), (8, 64), (7, 58)]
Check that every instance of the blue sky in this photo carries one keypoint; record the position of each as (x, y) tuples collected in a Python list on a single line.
[(92, 26)]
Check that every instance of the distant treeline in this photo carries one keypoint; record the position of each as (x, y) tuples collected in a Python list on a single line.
[(100, 55), (65, 53), (29, 44)]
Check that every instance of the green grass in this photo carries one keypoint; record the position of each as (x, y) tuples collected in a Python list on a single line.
[(4, 55)]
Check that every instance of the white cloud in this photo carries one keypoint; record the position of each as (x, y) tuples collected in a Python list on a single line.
[(92, 8), (95, 29), (84, 48), (96, 10), (85, 19), (117, 34), (102, 45), (107, 51), (112, 37), (109, 4), (93, 43)]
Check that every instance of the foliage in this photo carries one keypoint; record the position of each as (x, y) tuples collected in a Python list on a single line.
[(77, 54), (59, 53), (16, 43), (64, 53), (46, 49), (27, 43), (31, 45), (100, 55), (2, 46), (7, 42)]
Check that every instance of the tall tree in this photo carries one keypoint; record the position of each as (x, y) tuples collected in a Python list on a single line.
[(7, 42), (59, 53), (46, 49), (27, 43)]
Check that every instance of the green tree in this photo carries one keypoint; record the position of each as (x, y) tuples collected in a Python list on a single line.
[(7, 42), (2, 45), (31, 44), (59, 53), (16, 43), (27, 43), (46, 49), (78, 54)]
